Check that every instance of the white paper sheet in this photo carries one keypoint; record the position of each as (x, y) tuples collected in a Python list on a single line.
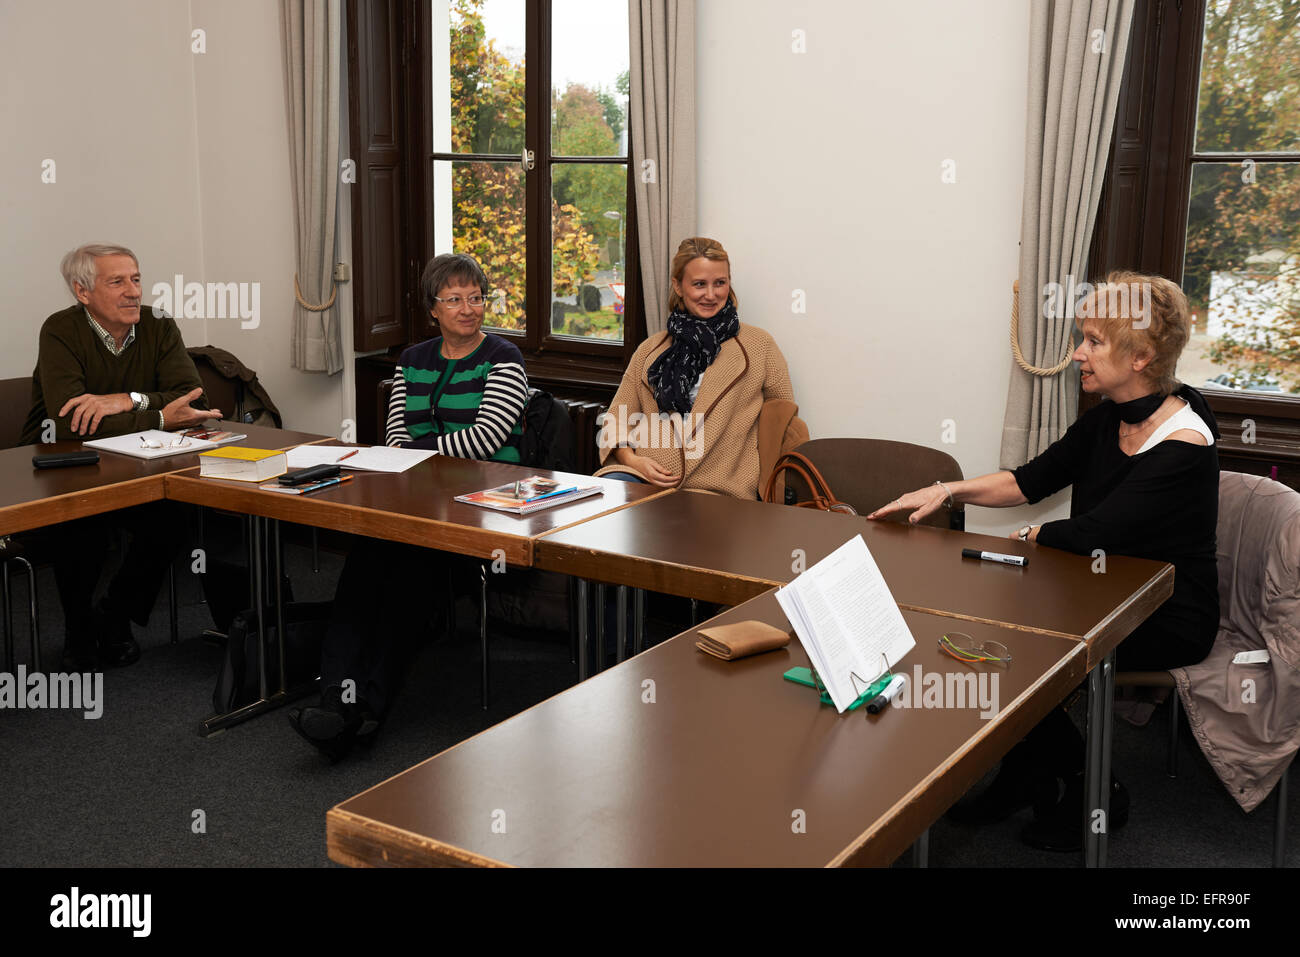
[(374, 458)]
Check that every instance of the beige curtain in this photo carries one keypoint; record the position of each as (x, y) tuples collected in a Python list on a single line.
[(313, 59), (662, 107), (1076, 60)]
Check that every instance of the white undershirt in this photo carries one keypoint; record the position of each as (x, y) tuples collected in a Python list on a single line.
[(1184, 418)]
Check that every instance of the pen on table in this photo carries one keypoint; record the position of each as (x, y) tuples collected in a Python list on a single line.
[(881, 701), (328, 483), (348, 456), (999, 557)]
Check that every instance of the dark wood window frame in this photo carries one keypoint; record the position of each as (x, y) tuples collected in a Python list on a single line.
[(391, 134), (1142, 217)]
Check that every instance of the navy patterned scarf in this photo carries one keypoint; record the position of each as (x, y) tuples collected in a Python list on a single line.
[(695, 345)]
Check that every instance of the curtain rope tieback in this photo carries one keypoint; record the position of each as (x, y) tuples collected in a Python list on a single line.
[(297, 292), (1015, 340)]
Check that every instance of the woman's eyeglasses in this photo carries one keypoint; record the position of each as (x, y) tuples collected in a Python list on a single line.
[(963, 647), (454, 302)]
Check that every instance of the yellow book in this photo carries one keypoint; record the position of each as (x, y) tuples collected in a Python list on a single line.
[(242, 464)]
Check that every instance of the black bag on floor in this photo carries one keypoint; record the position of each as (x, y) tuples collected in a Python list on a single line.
[(225, 588), (305, 624)]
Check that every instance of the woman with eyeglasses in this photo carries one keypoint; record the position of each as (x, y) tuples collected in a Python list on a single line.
[(463, 394)]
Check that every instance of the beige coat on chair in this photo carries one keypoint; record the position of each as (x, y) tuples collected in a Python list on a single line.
[(1247, 716)]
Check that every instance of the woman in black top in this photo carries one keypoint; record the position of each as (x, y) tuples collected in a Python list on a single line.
[(1145, 472)]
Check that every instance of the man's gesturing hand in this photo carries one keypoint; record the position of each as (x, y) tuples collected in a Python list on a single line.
[(178, 414), (88, 409)]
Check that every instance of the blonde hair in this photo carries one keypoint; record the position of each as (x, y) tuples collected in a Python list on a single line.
[(698, 247), (1141, 315)]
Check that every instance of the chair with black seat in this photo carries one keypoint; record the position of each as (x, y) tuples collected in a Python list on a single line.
[(1246, 716), (561, 435), (27, 549), (869, 473)]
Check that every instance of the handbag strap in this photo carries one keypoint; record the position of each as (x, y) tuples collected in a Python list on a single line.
[(823, 499)]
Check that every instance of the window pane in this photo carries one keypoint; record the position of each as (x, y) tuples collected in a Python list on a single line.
[(1242, 277), (478, 76), (588, 249), (589, 78), (1250, 82), (478, 209)]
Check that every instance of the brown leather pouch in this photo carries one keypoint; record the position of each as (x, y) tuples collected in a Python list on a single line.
[(741, 639)]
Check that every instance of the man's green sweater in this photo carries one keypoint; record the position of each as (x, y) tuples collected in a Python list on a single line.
[(73, 361)]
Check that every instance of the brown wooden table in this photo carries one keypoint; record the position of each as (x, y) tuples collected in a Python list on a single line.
[(33, 498), (418, 506), (717, 771), (727, 550)]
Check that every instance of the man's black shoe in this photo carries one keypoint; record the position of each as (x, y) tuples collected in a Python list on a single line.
[(117, 647), (81, 658), (1060, 828), (330, 727)]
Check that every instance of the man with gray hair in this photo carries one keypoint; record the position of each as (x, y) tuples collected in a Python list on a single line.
[(105, 368)]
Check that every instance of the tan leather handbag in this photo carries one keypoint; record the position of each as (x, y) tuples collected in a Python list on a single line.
[(823, 499)]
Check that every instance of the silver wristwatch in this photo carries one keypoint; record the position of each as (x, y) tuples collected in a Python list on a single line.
[(139, 401), (1023, 534)]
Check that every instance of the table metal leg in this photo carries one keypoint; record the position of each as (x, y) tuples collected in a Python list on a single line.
[(600, 627), (35, 621), (695, 612), (265, 550), (315, 549), (482, 628), (638, 619), (171, 600), (573, 620), (9, 622), (259, 606), (621, 630), (921, 850), (1096, 779), (277, 567), (583, 638)]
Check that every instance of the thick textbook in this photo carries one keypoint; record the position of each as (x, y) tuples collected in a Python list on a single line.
[(241, 464)]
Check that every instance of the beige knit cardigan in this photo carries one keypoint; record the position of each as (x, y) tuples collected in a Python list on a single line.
[(717, 443)]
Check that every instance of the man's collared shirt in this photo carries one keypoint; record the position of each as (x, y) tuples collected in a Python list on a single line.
[(111, 345), (105, 337)]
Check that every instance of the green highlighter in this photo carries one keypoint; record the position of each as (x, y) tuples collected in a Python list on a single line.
[(803, 676)]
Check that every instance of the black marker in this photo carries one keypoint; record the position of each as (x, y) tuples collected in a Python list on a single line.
[(995, 557), (879, 702)]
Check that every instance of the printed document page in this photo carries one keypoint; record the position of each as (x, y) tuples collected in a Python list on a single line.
[(846, 620)]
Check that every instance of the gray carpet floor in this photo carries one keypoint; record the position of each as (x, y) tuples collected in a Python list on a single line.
[(124, 790)]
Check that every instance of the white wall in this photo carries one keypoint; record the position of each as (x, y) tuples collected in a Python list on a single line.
[(822, 172), (182, 156), (819, 171), (104, 90)]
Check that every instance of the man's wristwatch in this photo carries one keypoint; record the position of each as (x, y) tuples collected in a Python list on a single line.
[(139, 401), (1023, 534)]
